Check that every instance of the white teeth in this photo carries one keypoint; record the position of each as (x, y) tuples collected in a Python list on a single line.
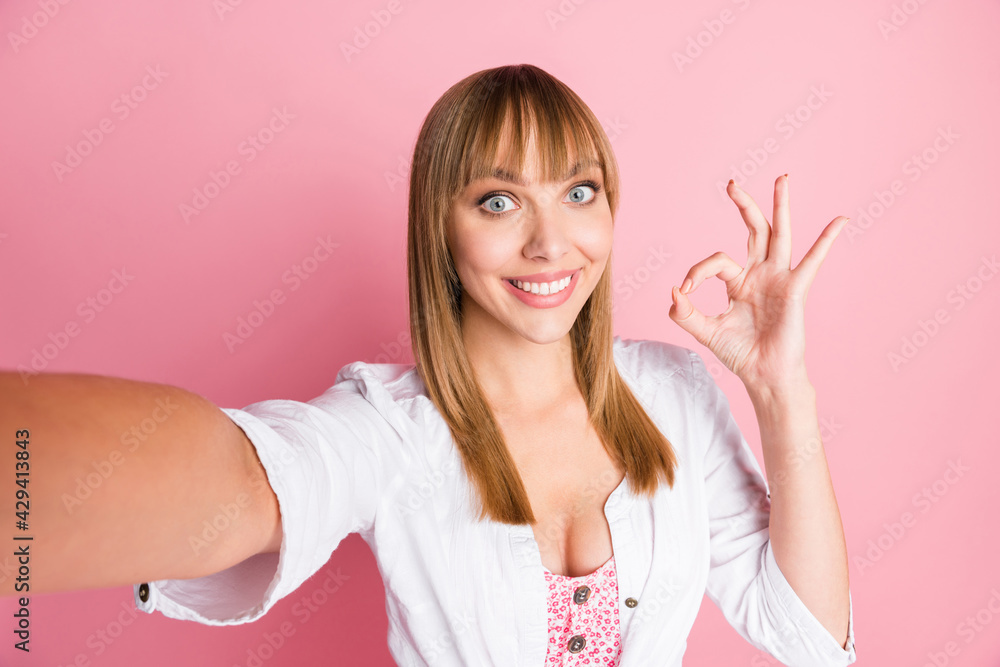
[(553, 287)]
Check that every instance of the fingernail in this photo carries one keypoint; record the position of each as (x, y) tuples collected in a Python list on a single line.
[(686, 285)]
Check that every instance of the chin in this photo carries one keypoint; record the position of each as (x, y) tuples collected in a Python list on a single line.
[(550, 332)]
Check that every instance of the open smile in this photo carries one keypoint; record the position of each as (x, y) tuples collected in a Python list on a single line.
[(544, 290)]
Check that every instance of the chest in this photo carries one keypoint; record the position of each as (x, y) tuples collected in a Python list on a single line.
[(568, 477)]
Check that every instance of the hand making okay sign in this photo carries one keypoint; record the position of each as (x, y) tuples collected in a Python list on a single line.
[(761, 335)]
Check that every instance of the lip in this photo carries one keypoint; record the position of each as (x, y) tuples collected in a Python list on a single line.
[(547, 300), (546, 277)]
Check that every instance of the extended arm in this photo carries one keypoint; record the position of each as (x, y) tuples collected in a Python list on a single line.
[(123, 477)]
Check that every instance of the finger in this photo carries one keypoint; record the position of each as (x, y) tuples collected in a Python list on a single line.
[(806, 271), (760, 231), (688, 317), (720, 264), (780, 249)]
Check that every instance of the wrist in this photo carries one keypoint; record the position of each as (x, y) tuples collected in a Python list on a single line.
[(784, 394)]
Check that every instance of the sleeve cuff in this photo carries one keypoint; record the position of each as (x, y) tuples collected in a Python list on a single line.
[(240, 594), (812, 641)]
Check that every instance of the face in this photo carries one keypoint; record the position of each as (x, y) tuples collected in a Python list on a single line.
[(510, 241)]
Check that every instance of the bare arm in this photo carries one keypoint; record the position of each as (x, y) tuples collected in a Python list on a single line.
[(125, 480), (805, 528)]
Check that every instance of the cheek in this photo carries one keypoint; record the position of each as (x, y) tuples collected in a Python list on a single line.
[(595, 240), (477, 255)]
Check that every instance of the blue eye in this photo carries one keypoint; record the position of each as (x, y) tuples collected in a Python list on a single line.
[(495, 204), (577, 194)]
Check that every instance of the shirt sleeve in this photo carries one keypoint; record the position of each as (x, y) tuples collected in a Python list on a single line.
[(325, 461), (744, 580)]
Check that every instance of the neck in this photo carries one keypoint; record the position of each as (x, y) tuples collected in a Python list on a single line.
[(517, 373)]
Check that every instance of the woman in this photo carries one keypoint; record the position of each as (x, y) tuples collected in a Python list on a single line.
[(535, 490)]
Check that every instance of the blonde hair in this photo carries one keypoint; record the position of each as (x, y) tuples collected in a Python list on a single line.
[(458, 143)]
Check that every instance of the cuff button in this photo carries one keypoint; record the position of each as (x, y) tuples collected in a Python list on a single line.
[(144, 592)]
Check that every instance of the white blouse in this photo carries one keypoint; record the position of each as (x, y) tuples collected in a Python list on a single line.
[(373, 455)]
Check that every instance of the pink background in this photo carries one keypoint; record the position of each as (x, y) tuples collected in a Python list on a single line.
[(332, 171)]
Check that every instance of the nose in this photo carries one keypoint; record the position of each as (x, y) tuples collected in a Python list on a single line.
[(547, 236)]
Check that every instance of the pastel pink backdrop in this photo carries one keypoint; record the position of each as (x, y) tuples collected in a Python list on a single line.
[(335, 169)]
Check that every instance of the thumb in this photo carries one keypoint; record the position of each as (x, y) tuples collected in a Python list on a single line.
[(687, 316)]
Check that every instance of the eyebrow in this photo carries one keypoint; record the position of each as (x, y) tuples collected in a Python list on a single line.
[(506, 176)]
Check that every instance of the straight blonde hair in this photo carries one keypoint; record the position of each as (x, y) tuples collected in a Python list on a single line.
[(458, 143)]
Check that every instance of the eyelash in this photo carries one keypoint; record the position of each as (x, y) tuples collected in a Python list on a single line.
[(496, 193)]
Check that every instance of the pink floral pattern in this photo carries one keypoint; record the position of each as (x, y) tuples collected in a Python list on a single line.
[(595, 620)]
